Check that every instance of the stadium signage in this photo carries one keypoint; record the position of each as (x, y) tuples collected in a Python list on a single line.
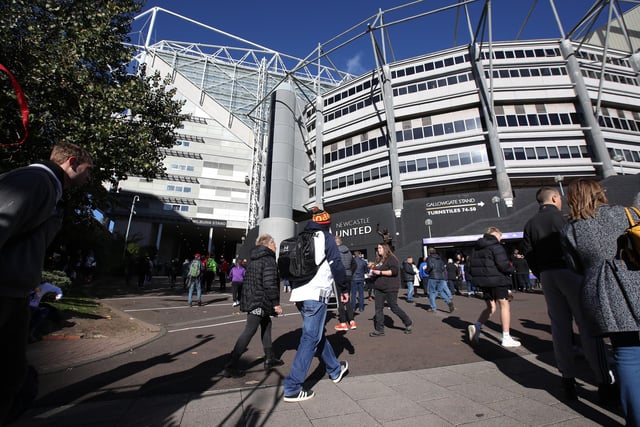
[(453, 206), (353, 227)]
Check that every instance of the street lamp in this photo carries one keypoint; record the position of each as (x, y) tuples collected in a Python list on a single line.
[(558, 179), (126, 235), (618, 158), (428, 222), (495, 200)]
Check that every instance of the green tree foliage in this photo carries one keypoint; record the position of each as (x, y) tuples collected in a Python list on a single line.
[(72, 59)]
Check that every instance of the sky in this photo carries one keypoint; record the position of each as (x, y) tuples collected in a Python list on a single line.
[(297, 28)]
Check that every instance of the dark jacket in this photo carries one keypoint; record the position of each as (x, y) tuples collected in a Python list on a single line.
[(29, 221), (388, 283), (407, 272), (489, 264), (594, 242), (542, 240), (261, 286), (452, 271), (347, 259), (361, 269), (436, 268)]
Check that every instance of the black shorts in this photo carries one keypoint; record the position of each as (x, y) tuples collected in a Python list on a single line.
[(495, 293)]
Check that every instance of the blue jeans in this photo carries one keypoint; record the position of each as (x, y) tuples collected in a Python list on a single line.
[(313, 314), (195, 281), (438, 287), (357, 288), (470, 288), (409, 291), (627, 359)]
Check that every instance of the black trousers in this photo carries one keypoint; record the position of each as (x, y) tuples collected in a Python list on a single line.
[(250, 330)]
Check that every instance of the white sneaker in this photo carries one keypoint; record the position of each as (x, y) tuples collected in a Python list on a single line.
[(473, 334), (235, 304), (510, 342)]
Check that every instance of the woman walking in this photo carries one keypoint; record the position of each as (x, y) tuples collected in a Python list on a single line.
[(386, 285)]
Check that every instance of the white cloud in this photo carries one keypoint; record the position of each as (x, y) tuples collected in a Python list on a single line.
[(354, 65)]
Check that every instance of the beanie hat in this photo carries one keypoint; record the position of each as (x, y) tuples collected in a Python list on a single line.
[(320, 216), (197, 256)]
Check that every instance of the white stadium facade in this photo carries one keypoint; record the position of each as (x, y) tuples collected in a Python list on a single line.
[(430, 149)]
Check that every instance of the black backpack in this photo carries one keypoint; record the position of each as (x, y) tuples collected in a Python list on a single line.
[(297, 258)]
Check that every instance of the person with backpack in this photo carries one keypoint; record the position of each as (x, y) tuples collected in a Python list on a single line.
[(437, 281), (311, 297), (358, 280), (345, 310), (209, 273), (195, 279), (260, 300)]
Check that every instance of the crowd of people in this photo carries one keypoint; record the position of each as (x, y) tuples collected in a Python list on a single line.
[(575, 260)]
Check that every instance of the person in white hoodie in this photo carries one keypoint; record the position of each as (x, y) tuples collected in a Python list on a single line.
[(311, 299)]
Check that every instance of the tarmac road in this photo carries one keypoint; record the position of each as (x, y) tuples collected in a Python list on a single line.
[(189, 357)]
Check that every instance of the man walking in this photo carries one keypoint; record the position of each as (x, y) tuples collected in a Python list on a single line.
[(345, 310), (437, 281), (357, 281), (562, 287), (29, 220), (311, 299), (408, 275)]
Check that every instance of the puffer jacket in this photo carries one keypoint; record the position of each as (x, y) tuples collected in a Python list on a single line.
[(29, 222), (261, 286), (436, 267), (593, 242), (489, 264), (347, 258)]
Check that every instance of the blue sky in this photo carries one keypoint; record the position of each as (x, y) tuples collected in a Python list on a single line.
[(296, 28)]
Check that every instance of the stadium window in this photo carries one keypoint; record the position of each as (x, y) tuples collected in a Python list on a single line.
[(535, 72), (504, 74), (334, 184), (477, 157), (384, 171), (349, 151), (454, 160), (452, 80), (545, 71), (509, 54), (417, 133), (356, 149), (553, 152), (530, 152), (428, 66), (410, 71), (375, 173), (399, 136), (529, 53), (421, 163), (462, 78), (507, 153), (565, 118), (459, 59), (540, 53), (400, 73), (402, 91), (366, 176), (544, 120), (443, 161), (519, 153), (382, 141), (564, 152), (514, 73), (575, 152), (438, 129), (403, 167), (365, 146), (427, 131), (327, 157), (422, 87), (554, 118), (499, 54), (357, 177), (439, 64), (519, 53), (442, 82), (525, 72), (522, 120), (512, 120), (184, 208), (327, 185), (171, 188), (432, 84), (341, 153), (465, 158), (419, 68), (459, 125), (334, 156), (432, 162), (541, 152), (411, 165), (342, 182), (352, 108), (470, 124), (448, 62), (413, 89), (448, 128)]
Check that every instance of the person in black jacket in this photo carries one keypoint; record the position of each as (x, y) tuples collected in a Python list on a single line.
[(491, 271), (260, 298)]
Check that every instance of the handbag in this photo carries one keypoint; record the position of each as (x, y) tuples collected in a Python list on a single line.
[(629, 243)]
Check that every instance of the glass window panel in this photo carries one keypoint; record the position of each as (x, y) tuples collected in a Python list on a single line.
[(357, 177), (448, 62), (421, 164), (508, 153), (443, 161), (575, 152), (432, 162), (334, 183), (366, 176), (427, 131), (349, 180), (442, 82), (349, 151), (535, 72), (519, 153), (541, 152), (514, 73), (448, 128), (522, 120), (553, 152), (438, 129), (413, 89), (525, 72), (554, 118), (375, 173), (356, 149), (565, 118), (432, 84), (564, 152), (531, 153), (470, 124), (407, 135), (411, 165), (342, 182), (341, 153), (512, 120), (403, 167), (384, 171), (462, 78), (334, 156), (465, 158), (504, 74), (417, 133), (454, 160), (544, 120), (399, 136), (502, 121), (477, 157), (459, 125)]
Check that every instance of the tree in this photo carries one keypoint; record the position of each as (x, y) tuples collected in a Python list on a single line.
[(72, 60)]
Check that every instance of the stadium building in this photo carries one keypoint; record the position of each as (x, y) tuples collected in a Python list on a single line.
[(428, 150)]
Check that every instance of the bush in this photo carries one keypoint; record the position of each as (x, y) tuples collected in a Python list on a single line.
[(57, 278)]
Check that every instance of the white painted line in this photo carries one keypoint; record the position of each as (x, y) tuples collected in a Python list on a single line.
[(221, 324)]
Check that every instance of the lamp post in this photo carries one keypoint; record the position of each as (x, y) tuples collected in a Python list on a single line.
[(558, 179), (618, 158), (126, 235), (495, 200), (428, 222)]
